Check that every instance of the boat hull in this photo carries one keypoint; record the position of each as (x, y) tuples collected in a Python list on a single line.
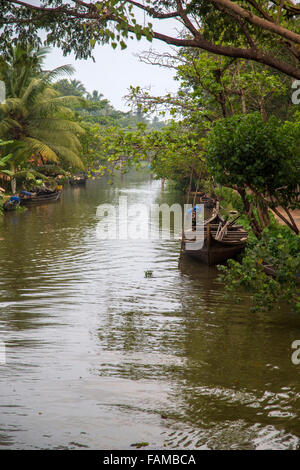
[(203, 245), (81, 182), (36, 200), (215, 253)]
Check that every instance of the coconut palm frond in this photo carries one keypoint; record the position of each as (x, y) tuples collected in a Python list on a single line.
[(51, 170), (52, 75), (8, 127), (69, 100), (64, 139), (56, 125), (6, 172), (29, 174), (36, 146), (33, 92), (57, 136), (50, 106), (4, 160), (69, 156), (35, 115), (9, 105)]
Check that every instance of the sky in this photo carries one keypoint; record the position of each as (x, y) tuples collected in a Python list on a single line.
[(115, 70)]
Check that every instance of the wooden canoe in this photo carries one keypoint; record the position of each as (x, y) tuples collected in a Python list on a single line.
[(78, 180), (203, 245), (41, 198), (213, 253)]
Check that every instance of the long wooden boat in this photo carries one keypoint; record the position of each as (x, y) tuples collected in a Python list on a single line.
[(41, 198), (78, 180), (204, 245)]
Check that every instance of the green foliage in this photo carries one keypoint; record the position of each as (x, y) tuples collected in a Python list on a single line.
[(224, 86), (101, 112), (38, 122), (229, 198), (280, 249), (51, 170), (177, 153), (50, 122), (78, 26), (174, 152), (67, 87), (244, 151), (19, 65), (5, 160)]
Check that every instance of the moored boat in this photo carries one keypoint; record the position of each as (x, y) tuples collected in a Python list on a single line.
[(215, 241), (78, 180), (12, 204), (40, 198)]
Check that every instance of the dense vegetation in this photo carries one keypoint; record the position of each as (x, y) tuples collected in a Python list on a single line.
[(235, 133), (263, 31), (50, 126), (234, 129)]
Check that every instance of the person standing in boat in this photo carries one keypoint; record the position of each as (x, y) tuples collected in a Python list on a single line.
[(196, 212)]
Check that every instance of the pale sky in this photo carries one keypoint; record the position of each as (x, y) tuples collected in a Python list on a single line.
[(115, 70)]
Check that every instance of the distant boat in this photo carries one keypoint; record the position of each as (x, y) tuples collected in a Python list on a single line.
[(78, 180), (216, 240), (40, 198)]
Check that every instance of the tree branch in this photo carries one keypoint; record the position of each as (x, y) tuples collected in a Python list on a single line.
[(258, 21), (85, 10)]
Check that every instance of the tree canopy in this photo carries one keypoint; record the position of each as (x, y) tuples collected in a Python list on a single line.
[(260, 159), (264, 31)]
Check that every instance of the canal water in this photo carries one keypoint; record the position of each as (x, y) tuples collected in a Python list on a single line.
[(99, 356)]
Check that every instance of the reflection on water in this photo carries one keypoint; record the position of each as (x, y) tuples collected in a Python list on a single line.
[(98, 356)]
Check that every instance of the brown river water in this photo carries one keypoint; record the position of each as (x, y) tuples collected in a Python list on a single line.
[(99, 356)]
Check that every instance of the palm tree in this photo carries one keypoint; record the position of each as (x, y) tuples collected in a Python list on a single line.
[(78, 88), (70, 87), (18, 66), (39, 122), (95, 96), (4, 161)]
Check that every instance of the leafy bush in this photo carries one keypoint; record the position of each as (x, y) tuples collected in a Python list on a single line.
[(260, 160), (278, 247)]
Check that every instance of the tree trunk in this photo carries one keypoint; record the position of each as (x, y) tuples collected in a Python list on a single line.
[(263, 214), (243, 98), (263, 111), (13, 182), (248, 208)]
